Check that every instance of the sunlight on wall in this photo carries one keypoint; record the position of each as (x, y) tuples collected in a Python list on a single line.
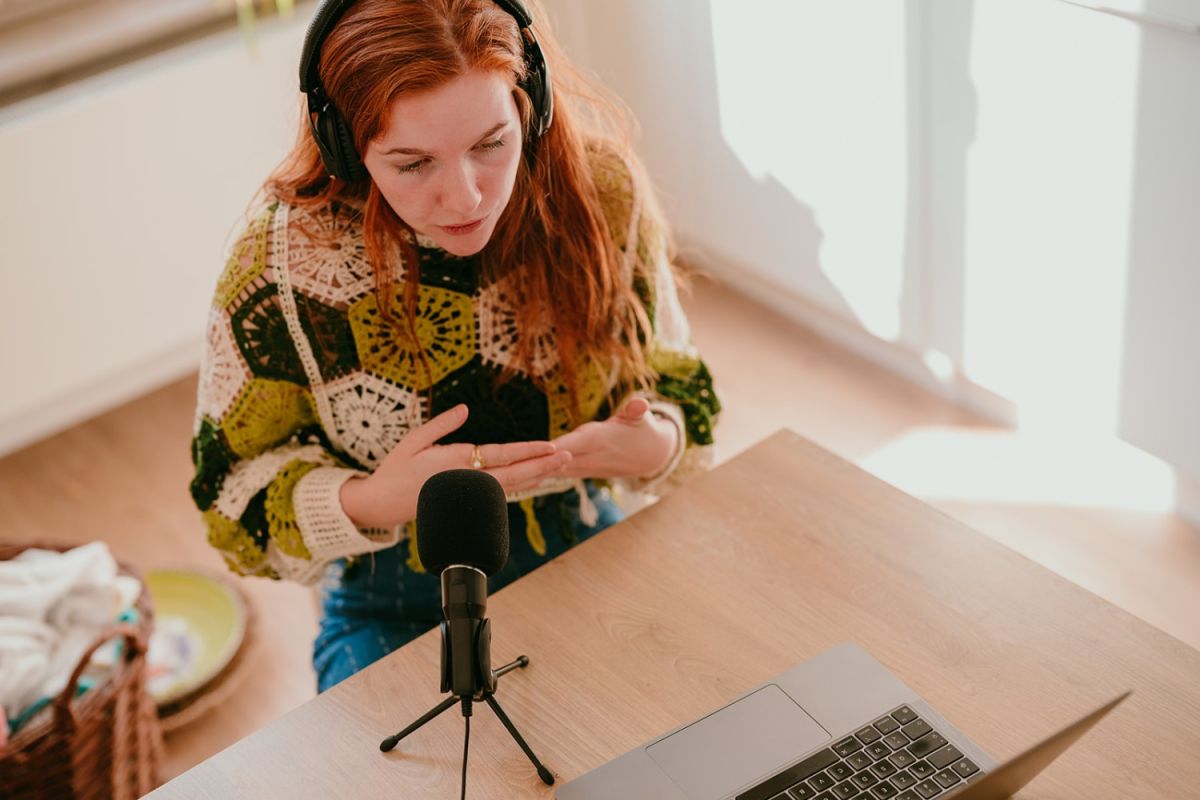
[(816, 99), (1048, 195), (1024, 468)]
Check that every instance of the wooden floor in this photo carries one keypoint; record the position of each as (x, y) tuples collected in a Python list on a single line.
[(1095, 513)]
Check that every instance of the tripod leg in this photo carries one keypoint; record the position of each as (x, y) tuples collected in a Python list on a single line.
[(519, 662), (390, 742), (543, 773)]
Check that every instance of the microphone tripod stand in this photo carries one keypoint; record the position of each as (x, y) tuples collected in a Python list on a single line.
[(467, 701)]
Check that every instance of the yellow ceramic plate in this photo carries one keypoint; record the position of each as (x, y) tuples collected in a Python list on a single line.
[(199, 623)]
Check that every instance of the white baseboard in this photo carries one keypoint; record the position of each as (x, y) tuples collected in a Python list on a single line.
[(896, 358), (1187, 499), (892, 356), (95, 397)]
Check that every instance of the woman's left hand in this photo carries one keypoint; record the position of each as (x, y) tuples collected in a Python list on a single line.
[(633, 443)]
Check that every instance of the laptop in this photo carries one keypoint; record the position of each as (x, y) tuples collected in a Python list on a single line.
[(836, 727)]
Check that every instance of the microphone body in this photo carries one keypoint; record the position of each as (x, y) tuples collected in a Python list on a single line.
[(466, 633)]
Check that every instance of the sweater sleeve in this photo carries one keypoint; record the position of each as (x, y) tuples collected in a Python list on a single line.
[(266, 481), (683, 391)]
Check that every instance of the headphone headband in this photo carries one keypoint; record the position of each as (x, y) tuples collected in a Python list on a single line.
[(330, 130), (328, 13)]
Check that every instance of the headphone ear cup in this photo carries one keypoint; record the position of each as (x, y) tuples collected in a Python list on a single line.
[(350, 166), (537, 86), (337, 146), (533, 88)]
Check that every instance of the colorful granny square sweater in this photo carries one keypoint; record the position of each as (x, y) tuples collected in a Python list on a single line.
[(304, 385)]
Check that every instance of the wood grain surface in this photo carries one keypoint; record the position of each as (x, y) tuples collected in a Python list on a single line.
[(771, 558)]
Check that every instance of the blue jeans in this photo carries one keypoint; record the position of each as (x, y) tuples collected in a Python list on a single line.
[(378, 603)]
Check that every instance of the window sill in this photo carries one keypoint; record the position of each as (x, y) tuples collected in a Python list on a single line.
[(62, 47)]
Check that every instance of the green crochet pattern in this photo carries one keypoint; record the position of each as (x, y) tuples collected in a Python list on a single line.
[(266, 414), (445, 330), (238, 547), (263, 337), (590, 394), (692, 390), (212, 459), (331, 335), (247, 261), (281, 514)]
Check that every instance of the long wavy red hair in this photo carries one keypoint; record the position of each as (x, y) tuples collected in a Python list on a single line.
[(571, 273)]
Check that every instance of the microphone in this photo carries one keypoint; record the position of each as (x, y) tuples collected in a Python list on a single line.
[(462, 533)]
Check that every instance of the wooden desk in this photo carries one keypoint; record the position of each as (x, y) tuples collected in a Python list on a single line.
[(767, 560)]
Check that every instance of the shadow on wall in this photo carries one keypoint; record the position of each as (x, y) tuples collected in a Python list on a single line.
[(667, 73), (1158, 400), (816, 183), (943, 113)]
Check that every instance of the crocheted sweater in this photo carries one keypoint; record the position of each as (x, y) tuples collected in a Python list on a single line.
[(303, 384)]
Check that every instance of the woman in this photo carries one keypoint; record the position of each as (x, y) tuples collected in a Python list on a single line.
[(451, 269)]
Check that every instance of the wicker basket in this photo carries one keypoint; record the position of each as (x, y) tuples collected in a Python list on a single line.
[(107, 743)]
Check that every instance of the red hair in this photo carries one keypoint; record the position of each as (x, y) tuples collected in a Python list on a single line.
[(554, 227)]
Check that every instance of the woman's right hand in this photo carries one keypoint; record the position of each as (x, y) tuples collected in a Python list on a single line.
[(388, 497)]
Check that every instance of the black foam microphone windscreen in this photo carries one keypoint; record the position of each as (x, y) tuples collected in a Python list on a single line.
[(462, 518)]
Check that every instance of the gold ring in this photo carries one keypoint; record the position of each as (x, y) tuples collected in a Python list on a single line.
[(477, 461)]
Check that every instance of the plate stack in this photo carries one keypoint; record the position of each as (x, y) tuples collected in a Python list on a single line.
[(202, 631)]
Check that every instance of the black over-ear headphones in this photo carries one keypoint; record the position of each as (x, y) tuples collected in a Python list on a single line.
[(330, 130)]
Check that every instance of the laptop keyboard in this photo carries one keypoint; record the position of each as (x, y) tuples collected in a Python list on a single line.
[(897, 757)]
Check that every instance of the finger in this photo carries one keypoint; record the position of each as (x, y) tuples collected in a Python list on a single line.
[(634, 410), (583, 439), (501, 455), (532, 471), (426, 435), (534, 484)]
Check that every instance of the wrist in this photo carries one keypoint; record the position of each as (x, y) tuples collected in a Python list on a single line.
[(358, 501), (670, 435)]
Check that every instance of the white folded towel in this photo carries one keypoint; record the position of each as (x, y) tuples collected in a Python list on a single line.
[(52, 607)]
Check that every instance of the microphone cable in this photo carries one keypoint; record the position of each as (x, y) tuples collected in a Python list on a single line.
[(466, 741), (466, 712)]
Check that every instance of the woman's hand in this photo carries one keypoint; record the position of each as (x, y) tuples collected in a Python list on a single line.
[(388, 496), (632, 443)]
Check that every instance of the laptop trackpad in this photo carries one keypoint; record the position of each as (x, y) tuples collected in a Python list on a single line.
[(754, 736)]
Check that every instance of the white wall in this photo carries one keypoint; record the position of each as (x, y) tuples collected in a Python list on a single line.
[(994, 197), (121, 195)]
